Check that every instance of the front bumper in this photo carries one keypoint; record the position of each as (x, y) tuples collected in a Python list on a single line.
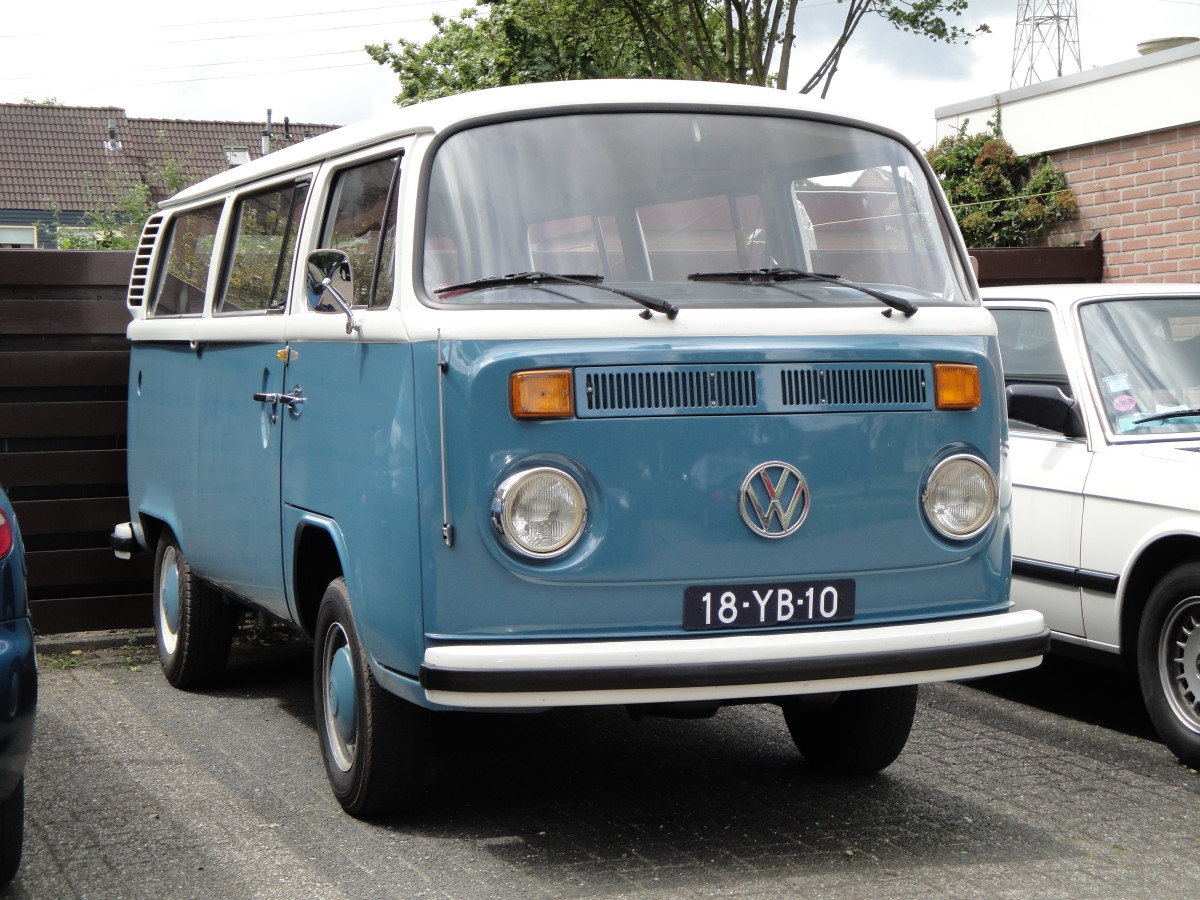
[(731, 667)]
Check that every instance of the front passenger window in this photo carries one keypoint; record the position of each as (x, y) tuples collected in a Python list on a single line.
[(362, 222)]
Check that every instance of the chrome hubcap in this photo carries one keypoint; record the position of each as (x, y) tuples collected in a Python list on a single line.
[(341, 695), (1179, 662), (169, 610)]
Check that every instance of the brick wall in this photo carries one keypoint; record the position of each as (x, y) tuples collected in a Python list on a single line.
[(1143, 194)]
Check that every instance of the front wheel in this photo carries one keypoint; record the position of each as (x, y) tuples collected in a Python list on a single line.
[(193, 623), (375, 745), (1168, 660), (859, 733)]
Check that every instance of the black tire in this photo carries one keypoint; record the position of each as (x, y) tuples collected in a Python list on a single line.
[(860, 733), (376, 746), (12, 832), (1168, 661), (193, 623)]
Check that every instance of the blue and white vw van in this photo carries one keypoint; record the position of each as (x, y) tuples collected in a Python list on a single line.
[(667, 395)]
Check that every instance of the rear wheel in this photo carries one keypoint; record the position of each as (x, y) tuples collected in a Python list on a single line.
[(193, 623), (375, 745), (1168, 659), (859, 733)]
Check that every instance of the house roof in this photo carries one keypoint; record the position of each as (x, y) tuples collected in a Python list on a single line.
[(45, 151)]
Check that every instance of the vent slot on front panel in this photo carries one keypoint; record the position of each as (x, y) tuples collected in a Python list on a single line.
[(875, 386), (668, 389)]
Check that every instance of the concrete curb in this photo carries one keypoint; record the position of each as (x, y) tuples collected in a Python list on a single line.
[(94, 640)]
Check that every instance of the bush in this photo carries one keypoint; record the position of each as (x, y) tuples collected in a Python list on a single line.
[(1000, 199)]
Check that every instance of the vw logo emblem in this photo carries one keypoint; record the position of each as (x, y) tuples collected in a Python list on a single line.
[(773, 500)]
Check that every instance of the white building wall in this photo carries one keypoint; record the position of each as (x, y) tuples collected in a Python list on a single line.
[(1153, 92)]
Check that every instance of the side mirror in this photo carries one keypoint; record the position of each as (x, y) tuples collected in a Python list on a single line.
[(325, 267), (1046, 406)]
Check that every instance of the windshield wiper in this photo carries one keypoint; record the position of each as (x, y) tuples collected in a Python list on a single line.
[(1158, 417), (539, 279), (786, 274)]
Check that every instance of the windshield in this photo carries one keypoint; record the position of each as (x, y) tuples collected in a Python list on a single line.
[(1145, 354), (643, 200)]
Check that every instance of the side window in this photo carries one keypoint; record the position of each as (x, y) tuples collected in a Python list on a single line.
[(184, 270), (262, 251), (361, 221), (1029, 349)]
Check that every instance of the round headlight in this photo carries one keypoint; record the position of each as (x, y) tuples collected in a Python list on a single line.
[(539, 512), (960, 497)]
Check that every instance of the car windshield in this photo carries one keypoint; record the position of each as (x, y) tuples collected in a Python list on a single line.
[(1146, 357), (645, 200)]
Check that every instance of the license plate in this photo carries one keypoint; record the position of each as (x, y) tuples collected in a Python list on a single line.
[(778, 605)]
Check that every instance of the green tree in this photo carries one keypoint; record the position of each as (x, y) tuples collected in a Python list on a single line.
[(1000, 199), (745, 41)]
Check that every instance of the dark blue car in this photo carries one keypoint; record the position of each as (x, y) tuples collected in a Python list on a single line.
[(18, 691)]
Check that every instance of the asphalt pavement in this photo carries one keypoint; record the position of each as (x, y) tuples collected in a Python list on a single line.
[(137, 790)]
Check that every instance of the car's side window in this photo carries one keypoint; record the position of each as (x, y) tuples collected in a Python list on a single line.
[(1029, 349), (361, 220), (263, 250), (188, 256)]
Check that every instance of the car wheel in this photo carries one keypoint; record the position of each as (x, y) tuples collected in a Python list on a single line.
[(375, 745), (860, 733), (193, 623), (12, 832), (1168, 658)]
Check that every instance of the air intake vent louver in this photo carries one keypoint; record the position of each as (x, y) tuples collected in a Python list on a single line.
[(621, 391), (140, 276), (666, 389), (855, 386)]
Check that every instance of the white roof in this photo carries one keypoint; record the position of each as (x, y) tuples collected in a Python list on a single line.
[(1065, 295), (436, 115)]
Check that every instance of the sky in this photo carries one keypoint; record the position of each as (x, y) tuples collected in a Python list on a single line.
[(232, 61)]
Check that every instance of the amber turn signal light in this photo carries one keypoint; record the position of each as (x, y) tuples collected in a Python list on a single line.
[(541, 394), (956, 386)]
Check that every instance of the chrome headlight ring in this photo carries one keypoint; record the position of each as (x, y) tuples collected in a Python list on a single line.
[(539, 513), (960, 497)]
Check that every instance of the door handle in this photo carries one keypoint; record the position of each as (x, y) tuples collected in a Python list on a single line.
[(293, 398), (265, 397)]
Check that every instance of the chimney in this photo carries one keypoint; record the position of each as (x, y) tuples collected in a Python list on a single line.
[(112, 144), (266, 136)]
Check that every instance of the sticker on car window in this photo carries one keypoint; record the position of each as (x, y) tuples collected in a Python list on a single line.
[(1116, 384)]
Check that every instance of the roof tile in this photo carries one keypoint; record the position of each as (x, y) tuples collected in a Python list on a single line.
[(45, 151)]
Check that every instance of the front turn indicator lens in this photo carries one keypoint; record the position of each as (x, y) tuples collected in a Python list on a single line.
[(956, 386), (960, 497), (541, 394), (539, 512)]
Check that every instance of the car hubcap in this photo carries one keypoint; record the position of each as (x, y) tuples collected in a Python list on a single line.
[(341, 696), (168, 600), (1179, 662)]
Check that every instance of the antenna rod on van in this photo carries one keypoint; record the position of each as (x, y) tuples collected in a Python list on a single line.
[(442, 365)]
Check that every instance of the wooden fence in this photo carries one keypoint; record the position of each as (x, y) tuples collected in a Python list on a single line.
[(64, 368)]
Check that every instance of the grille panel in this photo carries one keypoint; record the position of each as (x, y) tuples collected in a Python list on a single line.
[(855, 386), (620, 391)]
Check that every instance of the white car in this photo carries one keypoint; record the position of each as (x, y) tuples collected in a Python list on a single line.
[(1103, 387)]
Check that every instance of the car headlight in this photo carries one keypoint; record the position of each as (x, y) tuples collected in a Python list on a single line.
[(960, 497), (539, 512)]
